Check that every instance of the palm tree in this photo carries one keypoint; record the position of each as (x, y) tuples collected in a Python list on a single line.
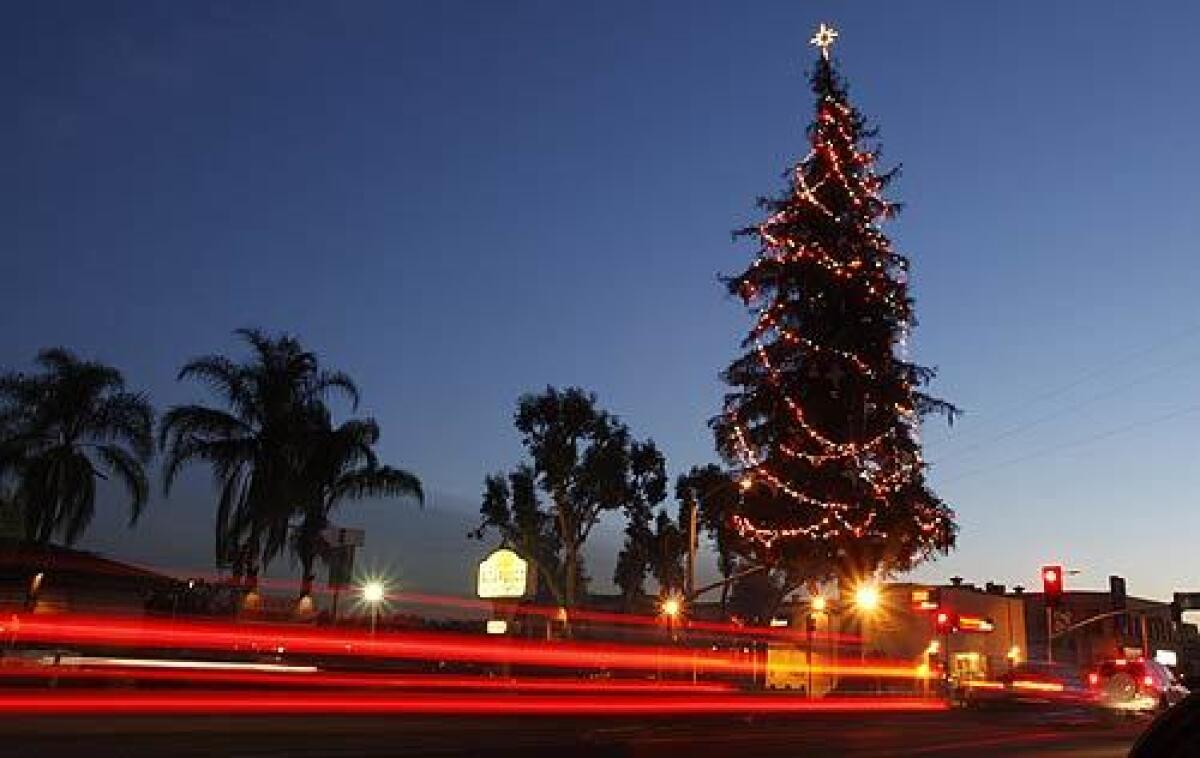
[(341, 465), (63, 429), (256, 444)]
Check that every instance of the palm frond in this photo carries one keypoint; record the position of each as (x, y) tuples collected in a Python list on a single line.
[(131, 474), (384, 481)]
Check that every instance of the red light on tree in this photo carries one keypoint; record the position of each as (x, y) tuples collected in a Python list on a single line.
[(1052, 583)]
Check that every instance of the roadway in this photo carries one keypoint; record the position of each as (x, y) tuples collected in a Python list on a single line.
[(845, 734)]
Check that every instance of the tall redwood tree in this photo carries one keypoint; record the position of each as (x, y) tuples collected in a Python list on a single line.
[(822, 416)]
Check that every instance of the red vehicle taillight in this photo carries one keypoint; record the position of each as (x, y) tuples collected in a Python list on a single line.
[(1093, 679)]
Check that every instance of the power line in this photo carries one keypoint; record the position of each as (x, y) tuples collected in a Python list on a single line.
[(1076, 443), (1081, 379), (1068, 409)]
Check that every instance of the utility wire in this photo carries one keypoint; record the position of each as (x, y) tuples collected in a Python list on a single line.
[(1081, 379), (1075, 443), (951, 455)]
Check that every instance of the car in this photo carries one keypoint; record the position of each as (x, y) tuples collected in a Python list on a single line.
[(1135, 685), (1031, 683)]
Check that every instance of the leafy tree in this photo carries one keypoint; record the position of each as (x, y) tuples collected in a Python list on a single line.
[(586, 463), (633, 562), (668, 554), (823, 408), (255, 445), (64, 428), (339, 464), (512, 508), (756, 596), (656, 547)]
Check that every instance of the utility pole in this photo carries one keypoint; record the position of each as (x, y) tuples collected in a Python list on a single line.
[(692, 547), (809, 622), (1049, 634), (1145, 639)]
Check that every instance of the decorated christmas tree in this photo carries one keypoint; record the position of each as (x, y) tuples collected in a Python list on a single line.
[(823, 414)]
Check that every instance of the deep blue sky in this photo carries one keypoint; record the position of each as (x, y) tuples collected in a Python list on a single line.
[(460, 202)]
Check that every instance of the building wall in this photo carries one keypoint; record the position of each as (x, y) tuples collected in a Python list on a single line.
[(903, 632), (1111, 637), (900, 634)]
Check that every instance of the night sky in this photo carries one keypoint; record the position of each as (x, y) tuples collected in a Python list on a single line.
[(461, 202)]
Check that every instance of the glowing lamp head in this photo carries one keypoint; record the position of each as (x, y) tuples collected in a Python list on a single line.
[(373, 592), (746, 483), (866, 598), (818, 603), (671, 607)]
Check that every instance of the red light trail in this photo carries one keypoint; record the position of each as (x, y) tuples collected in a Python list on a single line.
[(95, 670), (486, 608), (160, 634), (240, 703)]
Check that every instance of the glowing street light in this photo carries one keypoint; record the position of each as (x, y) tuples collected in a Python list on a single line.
[(866, 601), (866, 598), (373, 592), (671, 607)]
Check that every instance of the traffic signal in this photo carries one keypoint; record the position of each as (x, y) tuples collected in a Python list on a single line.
[(1052, 584), (945, 622)]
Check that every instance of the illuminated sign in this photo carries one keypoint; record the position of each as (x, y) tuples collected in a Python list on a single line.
[(503, 574), (976, 624), (1166, 657), (926, 599)]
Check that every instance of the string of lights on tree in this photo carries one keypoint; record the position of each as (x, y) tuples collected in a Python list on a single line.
[(823, 418)]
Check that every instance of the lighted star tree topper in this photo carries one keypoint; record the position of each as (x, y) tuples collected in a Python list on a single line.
[(822, 416)]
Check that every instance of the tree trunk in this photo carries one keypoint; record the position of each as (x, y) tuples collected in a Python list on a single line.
[(570, 565)]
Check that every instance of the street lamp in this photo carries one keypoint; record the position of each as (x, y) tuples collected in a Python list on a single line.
[(866, 598), (866, 601), (671, 607), (817, 605), (373, 592)]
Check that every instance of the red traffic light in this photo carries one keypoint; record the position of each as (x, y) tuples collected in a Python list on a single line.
[(1052, 583), (1052, 578)]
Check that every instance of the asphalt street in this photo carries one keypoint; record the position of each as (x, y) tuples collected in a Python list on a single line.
[(944, 734)]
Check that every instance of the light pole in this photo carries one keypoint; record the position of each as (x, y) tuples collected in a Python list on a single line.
[(671, 608), (816, 607), (373, 593), (866, 601)]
